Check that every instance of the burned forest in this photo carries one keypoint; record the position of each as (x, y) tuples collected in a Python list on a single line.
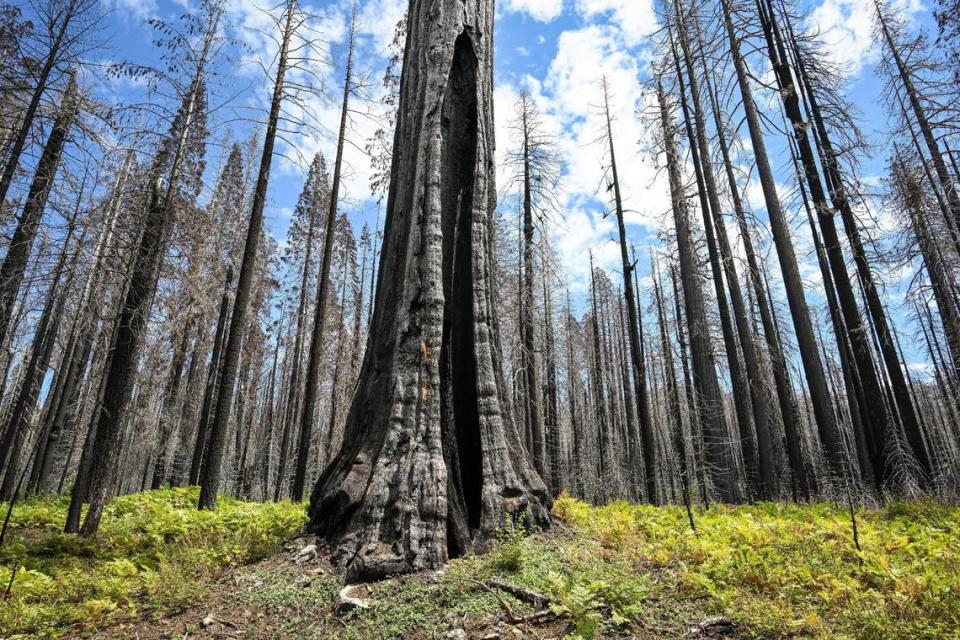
[(441, 319)]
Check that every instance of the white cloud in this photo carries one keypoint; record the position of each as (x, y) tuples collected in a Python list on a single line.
[(133, 9), (378, 18), (542, 10), (635, 18), (581, 232), (846, 27), (569, 99)]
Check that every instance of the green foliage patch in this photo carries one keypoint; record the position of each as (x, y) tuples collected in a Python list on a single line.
[(779, 571), (154, 553), (619, 570)]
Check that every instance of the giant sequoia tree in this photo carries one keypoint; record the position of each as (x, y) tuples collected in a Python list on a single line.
[(432, 462)]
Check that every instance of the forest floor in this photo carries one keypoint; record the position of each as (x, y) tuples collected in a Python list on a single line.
[(160, 569)]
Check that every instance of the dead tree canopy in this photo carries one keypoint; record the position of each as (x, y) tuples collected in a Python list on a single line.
[(432, 462)]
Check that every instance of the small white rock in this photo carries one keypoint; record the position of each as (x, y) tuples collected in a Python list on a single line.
[(347, 602), (306, 554), (207, 622)]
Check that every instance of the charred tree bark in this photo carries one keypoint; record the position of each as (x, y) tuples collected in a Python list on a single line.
[(647, 441), (212, 382), (781, 376), (211, 469), (26, 122), (126, 345), (673, 398), (532, 399), (552, 421), (879, 419), (809, 356), (837, 190), (170, 407), (315, 355), (599, 386), (80, 346), (432, 462), (759, 458), (21, 413), (719, 455), (18, 253), (331, 441)]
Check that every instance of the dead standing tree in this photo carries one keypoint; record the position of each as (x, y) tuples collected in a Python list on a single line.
[(646, 429), (107, 428), (719, 454), (211, 470), (432, 462), (315, 352), (536, 172)]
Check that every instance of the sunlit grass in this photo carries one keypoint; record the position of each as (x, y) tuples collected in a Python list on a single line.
[(154, 552)]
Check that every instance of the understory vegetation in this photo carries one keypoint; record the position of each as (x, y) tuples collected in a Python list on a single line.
[(618, 570), (155, 553)]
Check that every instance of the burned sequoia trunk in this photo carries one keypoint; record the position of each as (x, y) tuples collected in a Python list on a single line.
[(432, 462)]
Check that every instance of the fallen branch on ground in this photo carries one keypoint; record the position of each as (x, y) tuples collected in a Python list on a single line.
[(494, 585), (525, 595), (511, 616)]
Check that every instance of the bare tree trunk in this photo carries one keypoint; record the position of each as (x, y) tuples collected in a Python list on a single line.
[(532, 400), (639, 366), (879, 420), (693, 410), (432, 462), (599, 394), (838, 196), (812, 364), (332, 443), (759, 458), (26, 122), (131, 323), (18, 253), (21, 414), (781, 377), (719, 454), (211, 469), (212, 383), (577, 466), (673, 398), (552, 422), (312, 383), (170, 407)]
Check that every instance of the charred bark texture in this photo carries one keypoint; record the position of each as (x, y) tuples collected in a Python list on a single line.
[(432, 462)]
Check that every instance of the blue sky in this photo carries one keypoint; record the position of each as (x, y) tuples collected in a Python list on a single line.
[(558, 49)]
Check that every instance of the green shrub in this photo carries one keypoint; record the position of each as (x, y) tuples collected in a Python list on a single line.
[(509, 555)]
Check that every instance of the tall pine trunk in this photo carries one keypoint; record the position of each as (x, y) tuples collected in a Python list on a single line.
[(131, 322), (18, 253), (803, 326), (315, 354), (647, 441), (211, 469), (718, 452)]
